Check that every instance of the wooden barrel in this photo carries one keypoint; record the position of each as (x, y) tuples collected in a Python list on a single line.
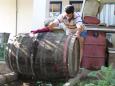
[(48, 56)]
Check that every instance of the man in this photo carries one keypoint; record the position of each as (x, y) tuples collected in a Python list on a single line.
[(73, 25)]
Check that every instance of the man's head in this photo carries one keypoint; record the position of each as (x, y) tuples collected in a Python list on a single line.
[(69, 10)]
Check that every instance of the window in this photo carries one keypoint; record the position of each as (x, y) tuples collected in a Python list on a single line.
[(55, 8), (3, 42), (77, 5)]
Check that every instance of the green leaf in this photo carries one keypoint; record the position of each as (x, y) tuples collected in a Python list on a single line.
[(93, 74), (113, 82), (91, 84)]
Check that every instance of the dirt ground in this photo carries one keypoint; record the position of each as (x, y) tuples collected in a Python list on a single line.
[(112, 59)]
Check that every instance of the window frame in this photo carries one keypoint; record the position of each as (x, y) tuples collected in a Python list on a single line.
[(57, 2)]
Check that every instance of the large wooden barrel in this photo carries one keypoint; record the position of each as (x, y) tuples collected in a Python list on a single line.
[(48, 56)]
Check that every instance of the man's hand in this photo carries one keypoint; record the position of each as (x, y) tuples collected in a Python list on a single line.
[(77, 34), (80, 27)]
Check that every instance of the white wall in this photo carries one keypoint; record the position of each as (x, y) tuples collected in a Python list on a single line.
[(7, 16), (40, 12), (24, 16)]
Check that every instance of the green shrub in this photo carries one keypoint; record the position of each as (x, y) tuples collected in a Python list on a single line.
[(105, 77)]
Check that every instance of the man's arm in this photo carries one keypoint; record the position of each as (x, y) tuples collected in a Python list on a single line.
[(79, 24), (80, 28), (52, 25), (48, 28), (56, 22)]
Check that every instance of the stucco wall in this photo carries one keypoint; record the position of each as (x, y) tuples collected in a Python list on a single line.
[(8, 20), (7, 15), (24, 15)]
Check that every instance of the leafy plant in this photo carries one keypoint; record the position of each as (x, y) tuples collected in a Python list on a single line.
[(105, 77)]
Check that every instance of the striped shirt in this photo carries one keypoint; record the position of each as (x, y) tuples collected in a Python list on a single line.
[(69, 25)]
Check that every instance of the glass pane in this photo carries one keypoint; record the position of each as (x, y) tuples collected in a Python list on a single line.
[(55, 8), (3, 42), (2, 51)]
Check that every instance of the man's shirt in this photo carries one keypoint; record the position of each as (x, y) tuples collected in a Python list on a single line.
[(70, 26)]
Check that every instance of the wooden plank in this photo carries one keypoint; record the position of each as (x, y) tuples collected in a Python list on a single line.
[(110, 29), (111, 50), (101, 28)]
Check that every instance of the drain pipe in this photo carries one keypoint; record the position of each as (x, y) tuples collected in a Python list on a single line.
[(82, 8), (16, 17)]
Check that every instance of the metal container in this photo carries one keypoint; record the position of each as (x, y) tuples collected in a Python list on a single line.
[(94, 53)]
